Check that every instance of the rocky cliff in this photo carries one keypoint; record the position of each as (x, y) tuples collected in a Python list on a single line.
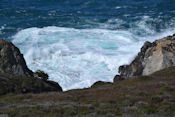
[(12, 61), (15, 77), (153, 57)]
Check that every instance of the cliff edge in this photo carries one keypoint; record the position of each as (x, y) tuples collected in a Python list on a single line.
[(153, 57), (16, 77)]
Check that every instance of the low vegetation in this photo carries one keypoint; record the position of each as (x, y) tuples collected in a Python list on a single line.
[(144, 96), (42, 75)]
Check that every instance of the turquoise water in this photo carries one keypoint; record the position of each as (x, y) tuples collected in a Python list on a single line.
[(82, 41)]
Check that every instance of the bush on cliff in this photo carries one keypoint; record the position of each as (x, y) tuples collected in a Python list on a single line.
[(41, 74)]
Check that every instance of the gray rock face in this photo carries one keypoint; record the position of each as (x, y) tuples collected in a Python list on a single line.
[(153, 57), (12, 61)]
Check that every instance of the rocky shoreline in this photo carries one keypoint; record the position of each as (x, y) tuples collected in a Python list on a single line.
[(143, 88)]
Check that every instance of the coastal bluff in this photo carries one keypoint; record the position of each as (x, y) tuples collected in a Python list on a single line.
[(16, 77), (142, 96), (153, 57)]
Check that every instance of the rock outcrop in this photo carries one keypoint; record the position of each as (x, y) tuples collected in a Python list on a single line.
[(12, 61), (153, 57), (118, 78), (15, 77)]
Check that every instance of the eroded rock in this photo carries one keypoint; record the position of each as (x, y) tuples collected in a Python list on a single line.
[(153, 57)]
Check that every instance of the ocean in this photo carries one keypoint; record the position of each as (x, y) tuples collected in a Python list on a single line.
[(79, 42)]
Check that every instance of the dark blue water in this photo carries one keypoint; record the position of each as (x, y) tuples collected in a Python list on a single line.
[(20, 14), (78, 42)]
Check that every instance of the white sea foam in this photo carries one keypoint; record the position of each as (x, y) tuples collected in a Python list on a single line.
[(118, 7), (1, 28), (77, 58)]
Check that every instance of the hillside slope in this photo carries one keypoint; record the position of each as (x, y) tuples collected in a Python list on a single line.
[(152, 95)]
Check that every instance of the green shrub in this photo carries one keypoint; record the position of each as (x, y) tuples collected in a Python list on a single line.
[(168, 88), (160, 92), (41, 74), (149, 109), (157, 99)]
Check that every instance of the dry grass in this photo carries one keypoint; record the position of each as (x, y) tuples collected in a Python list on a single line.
[(152, 95)]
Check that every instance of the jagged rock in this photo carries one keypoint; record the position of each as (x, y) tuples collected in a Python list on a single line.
[(153, 57), (12, 61), (118, 78), (15, 77)]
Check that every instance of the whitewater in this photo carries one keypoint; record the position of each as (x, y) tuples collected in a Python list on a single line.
[(76, 58)]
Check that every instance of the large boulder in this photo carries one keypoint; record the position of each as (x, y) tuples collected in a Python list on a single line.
[(153, 57), (12, 61)]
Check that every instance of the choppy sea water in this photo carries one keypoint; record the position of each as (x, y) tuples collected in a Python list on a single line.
[(80, 42)]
